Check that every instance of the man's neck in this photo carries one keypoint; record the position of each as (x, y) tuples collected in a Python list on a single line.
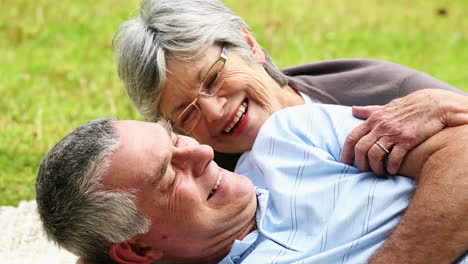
[(251, 226), (217, 257)]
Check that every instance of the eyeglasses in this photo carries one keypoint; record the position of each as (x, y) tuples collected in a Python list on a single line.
[(189, 118)]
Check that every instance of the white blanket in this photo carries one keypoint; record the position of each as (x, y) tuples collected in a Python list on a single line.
[(22, 240)]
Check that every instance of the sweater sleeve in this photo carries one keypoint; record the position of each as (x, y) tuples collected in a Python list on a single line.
[(420, 80), (359, 81)]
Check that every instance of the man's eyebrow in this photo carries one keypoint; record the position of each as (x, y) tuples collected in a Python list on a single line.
[(161, 171), (167, 126), (167, 160)]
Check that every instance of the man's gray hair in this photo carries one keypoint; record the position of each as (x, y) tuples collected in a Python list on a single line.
[(77, 212), (180, 29)]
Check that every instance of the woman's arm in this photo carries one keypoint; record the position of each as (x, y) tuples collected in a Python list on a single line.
[(401, 125), (434, 228)]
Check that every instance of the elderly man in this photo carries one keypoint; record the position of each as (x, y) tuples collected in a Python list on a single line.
[(197, 63), (140, 193)]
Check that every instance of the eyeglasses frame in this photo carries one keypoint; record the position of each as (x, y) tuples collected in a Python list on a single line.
[(223, 58)]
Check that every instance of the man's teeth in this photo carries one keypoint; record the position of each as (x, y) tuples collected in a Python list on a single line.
[(216, 185), (238, 116)]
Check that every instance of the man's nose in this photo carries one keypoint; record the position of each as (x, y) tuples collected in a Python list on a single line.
[(192, 158), (212, 107)]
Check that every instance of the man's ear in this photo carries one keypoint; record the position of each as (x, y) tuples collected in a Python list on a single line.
[(131, 253), (257, 51)]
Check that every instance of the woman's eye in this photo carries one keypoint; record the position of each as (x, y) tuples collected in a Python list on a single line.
[(210, 82), (188, 116)]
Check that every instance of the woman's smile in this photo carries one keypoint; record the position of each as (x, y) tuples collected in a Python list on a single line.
[(238, 120)]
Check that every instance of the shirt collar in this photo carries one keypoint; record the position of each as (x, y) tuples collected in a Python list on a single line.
[(240, 247)]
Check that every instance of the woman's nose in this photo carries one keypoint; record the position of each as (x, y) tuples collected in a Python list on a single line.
[(192, 158), (212, 107)]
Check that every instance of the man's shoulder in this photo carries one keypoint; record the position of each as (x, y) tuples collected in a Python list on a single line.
[(319, 110), (301, 117), (312, 125), (320, 126)]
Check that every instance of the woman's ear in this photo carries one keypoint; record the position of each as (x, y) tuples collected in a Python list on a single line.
[(131, 253), (257, 51)]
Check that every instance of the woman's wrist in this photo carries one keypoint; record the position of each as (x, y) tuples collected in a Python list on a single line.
[(453, 107)]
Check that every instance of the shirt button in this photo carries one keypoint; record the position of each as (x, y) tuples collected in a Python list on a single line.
[(236, 259)]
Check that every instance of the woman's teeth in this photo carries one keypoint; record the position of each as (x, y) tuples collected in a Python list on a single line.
[(238, 117)]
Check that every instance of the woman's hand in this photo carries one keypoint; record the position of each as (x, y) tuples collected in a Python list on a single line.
[(401, 125)]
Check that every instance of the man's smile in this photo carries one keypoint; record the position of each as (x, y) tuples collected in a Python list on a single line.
[(215, 187)]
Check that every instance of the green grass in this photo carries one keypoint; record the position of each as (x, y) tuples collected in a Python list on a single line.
[(57, 69)]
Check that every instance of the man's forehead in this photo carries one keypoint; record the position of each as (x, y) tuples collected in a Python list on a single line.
[(138, 136), (131, 128), (125, 123), (142, 147)]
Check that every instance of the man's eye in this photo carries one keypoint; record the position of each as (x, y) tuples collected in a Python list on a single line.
[(174, 178), (173, 181)]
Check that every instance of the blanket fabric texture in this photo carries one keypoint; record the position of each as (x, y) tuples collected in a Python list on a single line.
[(22, 239)]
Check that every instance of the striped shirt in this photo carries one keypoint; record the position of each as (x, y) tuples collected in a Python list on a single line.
[(312, 208)]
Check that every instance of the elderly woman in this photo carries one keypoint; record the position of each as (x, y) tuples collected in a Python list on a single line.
[(196, 63), (198, 60)]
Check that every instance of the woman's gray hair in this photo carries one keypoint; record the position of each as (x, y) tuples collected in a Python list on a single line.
[(76, 211), (180, 29)]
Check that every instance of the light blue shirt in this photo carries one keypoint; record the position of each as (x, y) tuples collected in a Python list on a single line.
[(311, 207)]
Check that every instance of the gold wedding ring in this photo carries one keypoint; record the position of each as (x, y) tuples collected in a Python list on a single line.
[(382, 147)]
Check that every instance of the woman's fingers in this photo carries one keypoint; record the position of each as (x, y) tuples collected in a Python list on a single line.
[(363, 112), (396, 157), (347, 155), (362, 148), (377, 155), (402, 124), (393, 133)]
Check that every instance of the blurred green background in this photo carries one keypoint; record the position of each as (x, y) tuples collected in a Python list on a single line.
[(57, 69)]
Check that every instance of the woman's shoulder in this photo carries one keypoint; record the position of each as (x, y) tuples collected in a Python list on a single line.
[(337, 66)]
